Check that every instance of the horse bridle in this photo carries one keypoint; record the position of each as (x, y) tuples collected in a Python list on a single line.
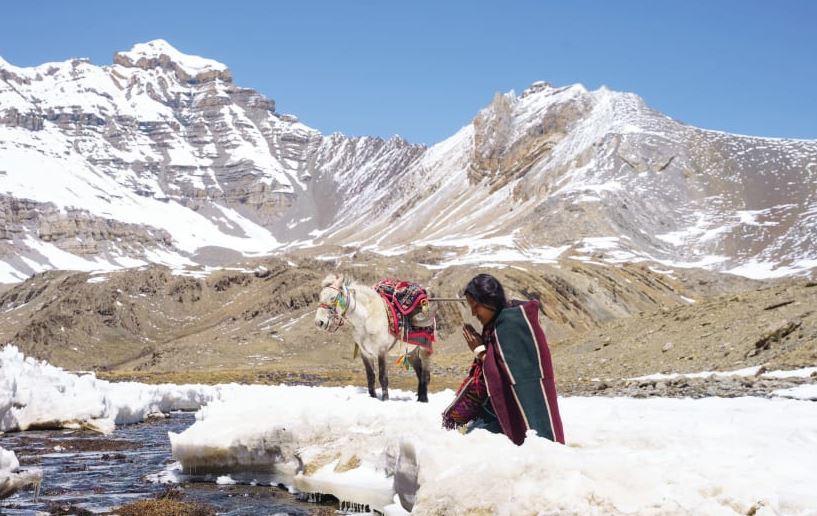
[(341, 301)]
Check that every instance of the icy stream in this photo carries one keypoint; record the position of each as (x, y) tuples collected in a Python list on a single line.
[(100, 472)]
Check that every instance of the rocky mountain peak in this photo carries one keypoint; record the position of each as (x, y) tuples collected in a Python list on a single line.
[(513, 132), (161, 54), (536, 87)]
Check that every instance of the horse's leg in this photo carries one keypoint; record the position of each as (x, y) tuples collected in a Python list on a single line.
[(367, 363), (383, 374), (421, 361)]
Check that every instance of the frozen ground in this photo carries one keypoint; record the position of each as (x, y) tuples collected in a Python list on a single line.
[(643, 456)]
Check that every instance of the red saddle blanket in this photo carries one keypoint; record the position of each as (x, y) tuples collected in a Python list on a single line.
[(403, 300)]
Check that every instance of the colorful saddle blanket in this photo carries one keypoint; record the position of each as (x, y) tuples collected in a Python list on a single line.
[(405, 301)]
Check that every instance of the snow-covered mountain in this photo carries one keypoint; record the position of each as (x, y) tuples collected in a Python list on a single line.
[(160, 157), (600, 174)]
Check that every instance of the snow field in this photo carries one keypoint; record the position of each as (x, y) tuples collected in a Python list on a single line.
[(653, 456), (623, 455)]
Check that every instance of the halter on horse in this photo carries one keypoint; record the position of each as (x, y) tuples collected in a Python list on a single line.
[(337, 301)]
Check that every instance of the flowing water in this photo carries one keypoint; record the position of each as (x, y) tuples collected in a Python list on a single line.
[(84, 471)]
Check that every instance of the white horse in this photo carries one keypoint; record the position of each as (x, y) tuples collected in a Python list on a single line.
[(363, 308)]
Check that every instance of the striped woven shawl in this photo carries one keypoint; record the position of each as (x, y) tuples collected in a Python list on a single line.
[(519, 375)]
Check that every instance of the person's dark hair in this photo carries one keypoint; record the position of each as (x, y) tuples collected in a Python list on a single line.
[(487, 290)]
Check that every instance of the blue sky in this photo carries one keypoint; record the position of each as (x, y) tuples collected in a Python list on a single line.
[(423, 69)]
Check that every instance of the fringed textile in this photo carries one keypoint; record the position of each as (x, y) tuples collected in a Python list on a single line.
[(469, 400)]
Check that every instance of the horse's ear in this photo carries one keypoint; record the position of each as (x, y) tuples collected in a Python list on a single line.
[(339, 281), (328, 280)]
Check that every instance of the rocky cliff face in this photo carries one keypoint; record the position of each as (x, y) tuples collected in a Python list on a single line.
[(160, 157), (77, 231)]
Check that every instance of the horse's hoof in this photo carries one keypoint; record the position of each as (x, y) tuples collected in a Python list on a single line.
[(385, 397), (423, 399)]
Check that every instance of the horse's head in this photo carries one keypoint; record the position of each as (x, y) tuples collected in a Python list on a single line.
[(334, 301)]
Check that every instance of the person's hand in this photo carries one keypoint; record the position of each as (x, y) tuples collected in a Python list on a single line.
[(472, 337)]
